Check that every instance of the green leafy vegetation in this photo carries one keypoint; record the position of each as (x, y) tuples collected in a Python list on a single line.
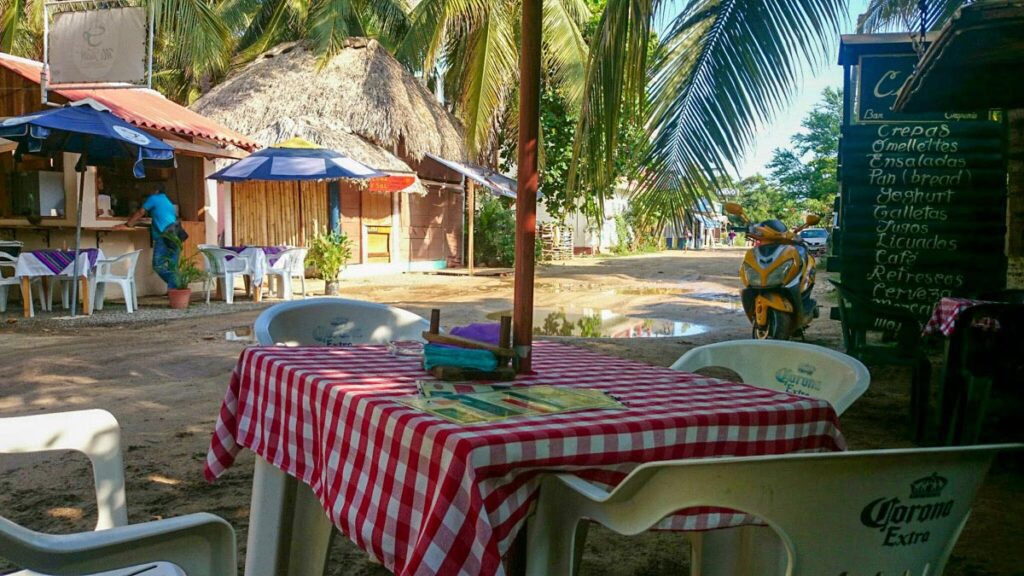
[(495, 232), (329, 253)]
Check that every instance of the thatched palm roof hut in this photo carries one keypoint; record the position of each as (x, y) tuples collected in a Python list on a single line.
[(362, 92), (362, 103)]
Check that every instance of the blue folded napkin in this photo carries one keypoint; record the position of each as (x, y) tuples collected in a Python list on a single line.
[(437, 355)]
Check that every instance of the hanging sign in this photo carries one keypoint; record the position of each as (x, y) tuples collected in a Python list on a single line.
[(923, 213), (98, 46)]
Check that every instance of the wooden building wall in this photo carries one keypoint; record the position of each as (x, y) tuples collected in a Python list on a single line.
[(432, 225), (265, 213), (268, 213)]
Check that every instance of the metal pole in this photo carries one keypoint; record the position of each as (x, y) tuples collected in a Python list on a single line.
[(471, 209), (44, 74), (78, 229), (526, 193)]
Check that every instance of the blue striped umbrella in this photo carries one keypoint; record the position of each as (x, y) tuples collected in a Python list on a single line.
[(295, 159)]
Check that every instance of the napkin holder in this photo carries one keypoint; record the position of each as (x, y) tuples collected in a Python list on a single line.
[(503, 352)]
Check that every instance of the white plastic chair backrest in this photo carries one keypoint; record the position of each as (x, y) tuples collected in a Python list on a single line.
[(284, 259), (94, 433), (7, 261), (129, 260), (298, 262), (873, 512), (792, 367), (336, 322), (217, 259)]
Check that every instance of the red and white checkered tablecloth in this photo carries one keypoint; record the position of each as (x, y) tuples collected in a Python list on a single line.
[(946, 312), (426, 496)]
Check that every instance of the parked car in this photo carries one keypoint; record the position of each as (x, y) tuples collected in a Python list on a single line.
[(816, 239)]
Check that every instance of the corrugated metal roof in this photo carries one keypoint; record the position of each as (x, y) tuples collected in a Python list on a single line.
[(143, 107)]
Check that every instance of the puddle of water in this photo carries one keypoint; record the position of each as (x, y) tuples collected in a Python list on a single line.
[(715, 296), (560, 287), (243, 334), (653, 291), (596, 323)]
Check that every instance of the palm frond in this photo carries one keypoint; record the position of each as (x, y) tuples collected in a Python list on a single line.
[(490, 69), (388, 18), (331, 22), (565, 50), (196, 38), (905, 15), (725, 68), (432, 23), (616, 75), (268, 27), (13, 15)]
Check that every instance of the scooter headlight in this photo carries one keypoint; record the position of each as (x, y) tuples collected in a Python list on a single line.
[(753, 276), (777, 277)]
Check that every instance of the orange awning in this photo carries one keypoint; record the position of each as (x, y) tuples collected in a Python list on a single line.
[(392, 183)]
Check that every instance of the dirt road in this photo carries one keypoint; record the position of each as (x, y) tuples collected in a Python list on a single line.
[(164, 381)]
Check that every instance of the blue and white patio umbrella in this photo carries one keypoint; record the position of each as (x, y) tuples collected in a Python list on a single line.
[(90, 129), (295, 159)]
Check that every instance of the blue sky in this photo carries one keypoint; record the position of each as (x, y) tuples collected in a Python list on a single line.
[(787, 122)]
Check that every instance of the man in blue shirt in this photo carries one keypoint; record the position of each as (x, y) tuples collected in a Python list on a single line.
[(166, 249)]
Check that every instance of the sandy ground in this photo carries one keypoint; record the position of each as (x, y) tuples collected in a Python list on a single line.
[(164, 380)]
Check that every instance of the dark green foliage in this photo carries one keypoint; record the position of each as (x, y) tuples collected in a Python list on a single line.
[(495, 232)]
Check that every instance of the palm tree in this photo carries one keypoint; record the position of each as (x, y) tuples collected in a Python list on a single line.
[(725, 68), (906, 15), (477, 44), (262, 24), (191, 44)]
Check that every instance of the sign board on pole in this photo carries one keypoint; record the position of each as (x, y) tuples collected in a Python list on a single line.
[(923, 196), (98, 46)]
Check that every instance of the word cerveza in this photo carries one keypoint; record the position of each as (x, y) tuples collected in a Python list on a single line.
[(906, 524)]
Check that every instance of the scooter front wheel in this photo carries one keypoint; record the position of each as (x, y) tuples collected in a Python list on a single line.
[(778, 327)]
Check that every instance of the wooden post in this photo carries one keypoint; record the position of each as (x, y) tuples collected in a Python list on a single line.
[(505, 336), (26, 296), (435, 321), (471, 208), (527, 177)]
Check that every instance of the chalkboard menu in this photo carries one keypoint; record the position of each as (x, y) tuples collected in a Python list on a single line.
[(923, 197)]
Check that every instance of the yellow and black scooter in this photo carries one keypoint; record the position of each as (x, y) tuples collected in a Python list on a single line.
[(777, 276)]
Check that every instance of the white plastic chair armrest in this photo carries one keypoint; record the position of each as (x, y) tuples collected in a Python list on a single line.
[(200, 544), (94, 433), (584, 488)]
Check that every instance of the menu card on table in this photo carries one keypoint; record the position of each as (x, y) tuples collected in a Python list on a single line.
[(469, 403)]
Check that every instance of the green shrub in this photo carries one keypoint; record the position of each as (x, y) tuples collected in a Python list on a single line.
[(495, 232), (329, 253)]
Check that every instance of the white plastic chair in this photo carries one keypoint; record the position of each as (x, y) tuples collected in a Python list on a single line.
[(792, 367), (311, 322), (834, 512), (198, 544), (8, 262), (289, 264), (223, 264), (105, 274), (336, 322)]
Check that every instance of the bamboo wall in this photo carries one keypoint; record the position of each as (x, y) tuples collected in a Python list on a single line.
[(268, 213)]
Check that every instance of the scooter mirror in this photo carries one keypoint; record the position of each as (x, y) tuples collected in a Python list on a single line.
[(812, 219), (734, 208)]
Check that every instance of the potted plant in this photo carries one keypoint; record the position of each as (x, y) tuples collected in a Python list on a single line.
[(329, 253), (186, 273)]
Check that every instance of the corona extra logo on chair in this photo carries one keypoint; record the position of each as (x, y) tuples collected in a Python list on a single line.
[(799, 381), (928, 487), (903, 524)]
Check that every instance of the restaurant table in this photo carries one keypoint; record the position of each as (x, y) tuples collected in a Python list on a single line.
[(427, 496), (944, 316), (49, 263), (260, 258)]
